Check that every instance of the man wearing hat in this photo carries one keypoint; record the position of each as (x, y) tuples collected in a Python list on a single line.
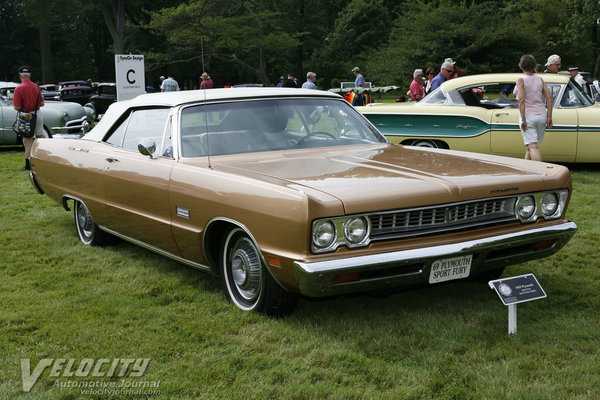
[(207, 82), (553, 64), (291, 81), (359, 81), (28, 98), (281, 80), (574, 72)]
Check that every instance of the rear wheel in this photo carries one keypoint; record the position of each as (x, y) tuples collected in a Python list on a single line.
[(247, 282), (87, 230)]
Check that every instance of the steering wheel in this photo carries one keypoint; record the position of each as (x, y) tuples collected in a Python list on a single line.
[(321, 133)]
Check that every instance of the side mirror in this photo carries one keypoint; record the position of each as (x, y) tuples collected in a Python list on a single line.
[(147, 147)]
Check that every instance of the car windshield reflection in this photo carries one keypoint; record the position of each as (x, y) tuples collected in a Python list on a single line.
[(269, 125)]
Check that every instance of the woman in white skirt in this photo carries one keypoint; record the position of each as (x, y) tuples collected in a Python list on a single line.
[(534, 115)]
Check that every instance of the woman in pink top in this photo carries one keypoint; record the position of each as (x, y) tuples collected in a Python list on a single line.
[(534, 115)]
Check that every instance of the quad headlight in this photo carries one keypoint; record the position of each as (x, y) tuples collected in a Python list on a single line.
[(548, 205), (324, 234), (525, 207), (330, 233)]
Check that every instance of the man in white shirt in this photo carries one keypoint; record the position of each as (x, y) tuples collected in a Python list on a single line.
[(574, 71)]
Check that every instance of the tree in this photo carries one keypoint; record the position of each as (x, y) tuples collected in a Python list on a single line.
[(479, 37), (114, 17), (246, 33), (360, 28)]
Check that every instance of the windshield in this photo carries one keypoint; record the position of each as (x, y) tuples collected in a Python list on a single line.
[(435, 97), (273, 124), (574, 97)]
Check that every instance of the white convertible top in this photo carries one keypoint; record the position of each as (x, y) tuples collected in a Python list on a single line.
[(173, 99)]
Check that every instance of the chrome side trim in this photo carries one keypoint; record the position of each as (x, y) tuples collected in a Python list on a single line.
[(34, 183), (157, 250), (316, 279)]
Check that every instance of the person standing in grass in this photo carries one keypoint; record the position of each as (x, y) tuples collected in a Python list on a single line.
[(533, 114), (28, 98)]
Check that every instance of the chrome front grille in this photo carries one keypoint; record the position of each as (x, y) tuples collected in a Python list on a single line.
[(440, 219)]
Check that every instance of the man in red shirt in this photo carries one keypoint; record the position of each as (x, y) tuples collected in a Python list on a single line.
[(28, 98)]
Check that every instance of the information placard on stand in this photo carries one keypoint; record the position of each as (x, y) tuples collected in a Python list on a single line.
[(514, 290)]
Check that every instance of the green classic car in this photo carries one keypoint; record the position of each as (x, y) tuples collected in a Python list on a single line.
[(59, 118), (480, 113)]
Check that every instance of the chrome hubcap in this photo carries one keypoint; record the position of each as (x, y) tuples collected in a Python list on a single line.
[(245, 269), (84, 220)]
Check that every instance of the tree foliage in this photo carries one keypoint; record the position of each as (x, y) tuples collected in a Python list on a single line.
[(241, 41)]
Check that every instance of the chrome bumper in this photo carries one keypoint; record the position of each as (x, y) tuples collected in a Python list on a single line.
[(80, 124), (409, 267)]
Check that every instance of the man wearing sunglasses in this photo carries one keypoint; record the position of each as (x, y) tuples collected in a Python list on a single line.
[(446, 72)]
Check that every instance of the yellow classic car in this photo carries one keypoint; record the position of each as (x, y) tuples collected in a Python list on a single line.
[(287, 192), (480, 113)]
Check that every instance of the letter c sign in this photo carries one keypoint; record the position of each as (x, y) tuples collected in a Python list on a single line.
[(129, 79)]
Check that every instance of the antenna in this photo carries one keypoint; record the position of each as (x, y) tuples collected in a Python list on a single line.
[(207, 132)]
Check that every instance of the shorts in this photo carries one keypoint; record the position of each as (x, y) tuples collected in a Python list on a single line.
[(536, 127), (39, 126)]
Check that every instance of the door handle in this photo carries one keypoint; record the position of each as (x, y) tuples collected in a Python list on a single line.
[(111, 160), (499, 114)]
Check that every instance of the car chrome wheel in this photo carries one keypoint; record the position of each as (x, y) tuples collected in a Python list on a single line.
[(247, 282), (242, 272), (87, 230)]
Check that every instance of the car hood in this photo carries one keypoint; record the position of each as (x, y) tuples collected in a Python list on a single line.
[(389, 176), (74, 110)]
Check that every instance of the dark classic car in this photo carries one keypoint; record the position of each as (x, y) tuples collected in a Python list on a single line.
[(106, 94), (76, 91), (283, 192), (50, 91)]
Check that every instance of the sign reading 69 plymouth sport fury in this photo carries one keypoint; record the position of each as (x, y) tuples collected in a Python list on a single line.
[(288, 192)]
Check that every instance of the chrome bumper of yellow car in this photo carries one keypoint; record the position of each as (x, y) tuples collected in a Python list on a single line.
[(411, 267)]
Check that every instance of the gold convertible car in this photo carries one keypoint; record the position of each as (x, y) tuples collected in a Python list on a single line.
[(287, 192), (480, 113)]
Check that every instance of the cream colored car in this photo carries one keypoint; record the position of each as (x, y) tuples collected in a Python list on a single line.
[(287, 192), (470, 113)]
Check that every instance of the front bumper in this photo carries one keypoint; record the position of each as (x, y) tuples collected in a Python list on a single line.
[(410, 267), (77, 125)]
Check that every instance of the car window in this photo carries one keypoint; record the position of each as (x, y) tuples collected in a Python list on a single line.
[(574, 97), (435, 97), (143, 123), (271, 124), (555, 91)]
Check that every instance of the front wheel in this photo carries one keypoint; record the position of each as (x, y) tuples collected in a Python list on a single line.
[(246, 281), (87, 230)]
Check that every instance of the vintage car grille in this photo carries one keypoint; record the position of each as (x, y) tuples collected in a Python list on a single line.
[(440, 219)]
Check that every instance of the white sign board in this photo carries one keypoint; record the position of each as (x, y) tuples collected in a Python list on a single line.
[(129, 70)]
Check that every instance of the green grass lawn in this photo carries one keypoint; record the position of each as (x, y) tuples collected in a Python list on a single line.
[(61, 299)]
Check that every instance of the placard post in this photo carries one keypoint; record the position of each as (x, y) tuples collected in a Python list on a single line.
[(514, 290), (512, 319)]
